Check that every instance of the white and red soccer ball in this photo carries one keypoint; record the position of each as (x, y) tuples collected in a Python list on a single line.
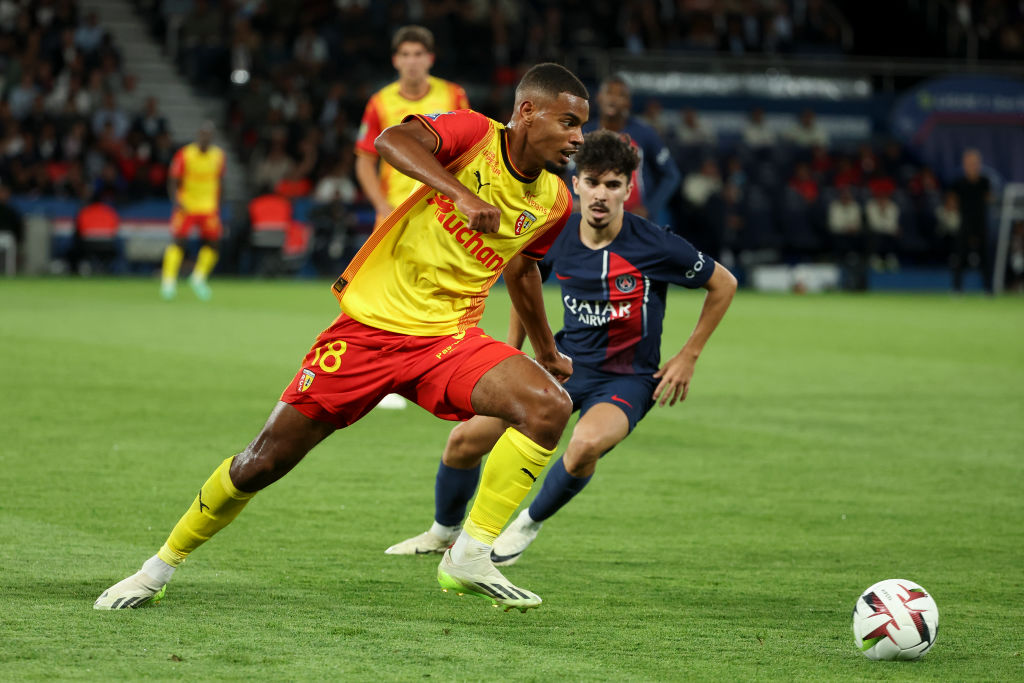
[(895, 619)]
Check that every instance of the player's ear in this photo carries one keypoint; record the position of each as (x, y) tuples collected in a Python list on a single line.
[(629, 189), (576, 183), (527, 112)]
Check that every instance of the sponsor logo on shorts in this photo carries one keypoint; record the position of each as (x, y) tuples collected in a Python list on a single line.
[(307, 379)]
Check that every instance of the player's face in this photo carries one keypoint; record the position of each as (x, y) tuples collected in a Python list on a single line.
[(556, 129), (613, 100), (412, 61), (601, 197)]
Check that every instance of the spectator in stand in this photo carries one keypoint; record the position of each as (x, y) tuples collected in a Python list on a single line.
[(22, 96), (847, 175), (846, 226), (150, 122), (415, 92), (108, 113), (701, 223), (821, 163), (310, 51), (804, 184), (807, 132), (883, 218), (756, 134), (974, 192), (693, 132), (90, 34), (657, 178), (276, 164), (336, 184)]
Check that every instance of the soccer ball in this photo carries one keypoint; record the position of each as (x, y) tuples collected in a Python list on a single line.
[(895, 619)]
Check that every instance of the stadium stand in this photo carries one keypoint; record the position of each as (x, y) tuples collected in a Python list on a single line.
[(294, 78)]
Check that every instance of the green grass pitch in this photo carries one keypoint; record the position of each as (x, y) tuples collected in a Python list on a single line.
[(828, 442)]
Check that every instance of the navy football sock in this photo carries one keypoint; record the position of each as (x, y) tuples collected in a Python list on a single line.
[(452, 490), (558, 489)]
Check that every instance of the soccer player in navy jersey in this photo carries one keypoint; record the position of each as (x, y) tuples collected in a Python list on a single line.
[(657, 177), (614, 269)]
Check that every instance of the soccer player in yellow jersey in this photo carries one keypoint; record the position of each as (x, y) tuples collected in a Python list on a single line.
[(486, 205), (194, 186), (415, 92)]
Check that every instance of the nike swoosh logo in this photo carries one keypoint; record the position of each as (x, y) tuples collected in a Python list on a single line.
[(529, 473), (615, 397), (563, 277), (495, 557)]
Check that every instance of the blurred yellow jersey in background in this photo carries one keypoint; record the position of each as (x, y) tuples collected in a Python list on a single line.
[(387, 107), (200, 173)]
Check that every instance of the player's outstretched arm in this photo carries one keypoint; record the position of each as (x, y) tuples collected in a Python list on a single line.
[(677, 372), (409, 147), (522, 277)]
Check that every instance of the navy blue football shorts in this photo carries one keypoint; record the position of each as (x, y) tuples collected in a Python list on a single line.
[(633, 394)]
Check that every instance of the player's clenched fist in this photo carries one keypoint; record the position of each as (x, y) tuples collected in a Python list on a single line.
[(483, 217)]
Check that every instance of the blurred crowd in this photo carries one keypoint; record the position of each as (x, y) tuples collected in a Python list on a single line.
[(72, 121), (296, 77), (998, 26)]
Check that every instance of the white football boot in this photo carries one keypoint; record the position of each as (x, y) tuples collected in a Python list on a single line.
[(137, 590), (516, 538), (434, 540), (479, 577)]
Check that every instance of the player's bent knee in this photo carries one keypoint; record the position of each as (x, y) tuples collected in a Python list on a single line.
[(548, 417)]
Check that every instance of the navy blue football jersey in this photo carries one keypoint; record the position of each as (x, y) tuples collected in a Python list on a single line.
[(614, 298)]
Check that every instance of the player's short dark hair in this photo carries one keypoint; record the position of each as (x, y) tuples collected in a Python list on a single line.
[(605, 150), (550, 79), (413, 34)]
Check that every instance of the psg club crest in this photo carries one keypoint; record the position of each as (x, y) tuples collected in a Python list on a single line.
[(307, 379), (525, 222), (625, 283)]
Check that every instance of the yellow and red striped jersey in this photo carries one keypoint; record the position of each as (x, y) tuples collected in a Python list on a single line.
[(200, 173), (423, 272), (386, 108)]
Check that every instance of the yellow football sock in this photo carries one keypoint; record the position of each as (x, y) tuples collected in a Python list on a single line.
[(205, 262), (514, 464), (173, 256), (217, 504)]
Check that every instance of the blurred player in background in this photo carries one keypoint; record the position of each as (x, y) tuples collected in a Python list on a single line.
[(657, 178), (614, 269), (411, 300), (415, 92), (194, 185)]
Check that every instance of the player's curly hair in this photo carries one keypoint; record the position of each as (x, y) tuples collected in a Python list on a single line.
[(550, 79), (605, 150)]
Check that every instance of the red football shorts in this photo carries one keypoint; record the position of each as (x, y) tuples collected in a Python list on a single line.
[(208, 224), (352, 366)]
